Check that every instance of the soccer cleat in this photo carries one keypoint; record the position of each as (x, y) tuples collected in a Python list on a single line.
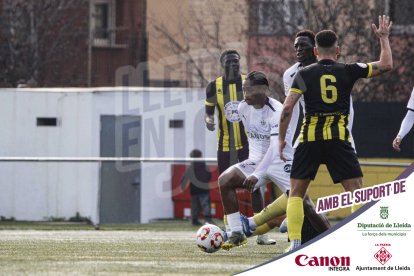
[(265, 240), (236, 239), (283, 226), (246, 227)]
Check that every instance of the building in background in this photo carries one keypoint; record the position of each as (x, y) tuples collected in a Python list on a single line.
[(70, 42), (272, 27), (273, 24), (119, 39), (186, 37), (178, 42)]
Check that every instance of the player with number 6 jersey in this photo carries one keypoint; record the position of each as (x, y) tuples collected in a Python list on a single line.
[(327, 101), (324, 137)]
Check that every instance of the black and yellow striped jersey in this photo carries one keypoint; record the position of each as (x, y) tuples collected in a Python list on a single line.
[(326, 87), (226, 96)]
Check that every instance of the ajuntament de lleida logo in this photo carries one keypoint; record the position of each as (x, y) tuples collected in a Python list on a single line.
[(384, 212)]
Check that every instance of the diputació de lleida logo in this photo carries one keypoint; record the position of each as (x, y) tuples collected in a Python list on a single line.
[(384, 212)]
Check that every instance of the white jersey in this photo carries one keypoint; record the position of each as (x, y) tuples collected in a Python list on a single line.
[(260, 125), (288, 77)]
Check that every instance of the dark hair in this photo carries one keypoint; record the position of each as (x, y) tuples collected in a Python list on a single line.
[(326, 38), (195, 153), (307, 33), (257, 78), (228, 52)]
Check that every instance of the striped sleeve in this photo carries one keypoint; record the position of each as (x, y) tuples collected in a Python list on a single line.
[(360, 70), (298, 85), (296, 90)]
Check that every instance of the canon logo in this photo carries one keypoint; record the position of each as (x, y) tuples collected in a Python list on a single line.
[(303, 260)]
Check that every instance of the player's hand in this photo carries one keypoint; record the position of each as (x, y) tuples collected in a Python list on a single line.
[(210, 123), (250, 182), (396, 143), (282, 145), (384, 26)]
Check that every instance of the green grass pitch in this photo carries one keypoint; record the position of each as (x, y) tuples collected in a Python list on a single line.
[(157, 248)]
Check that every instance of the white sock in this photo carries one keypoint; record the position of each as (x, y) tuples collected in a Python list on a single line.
[(252, 224), (235, 222)]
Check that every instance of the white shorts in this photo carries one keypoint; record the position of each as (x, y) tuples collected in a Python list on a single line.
[(278, 173)]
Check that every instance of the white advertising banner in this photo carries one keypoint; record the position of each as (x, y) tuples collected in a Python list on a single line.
[(375, 240)]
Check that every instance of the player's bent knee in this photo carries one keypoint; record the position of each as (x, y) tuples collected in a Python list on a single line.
[(222, 180), (352, 184), (225, 179), (230, 179)]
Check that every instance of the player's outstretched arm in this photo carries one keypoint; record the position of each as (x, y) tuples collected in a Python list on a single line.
[(385, 62)]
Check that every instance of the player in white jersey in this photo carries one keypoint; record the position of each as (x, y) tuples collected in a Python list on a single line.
[(288, 76), (261, 124), (260, 115), (406, 124)]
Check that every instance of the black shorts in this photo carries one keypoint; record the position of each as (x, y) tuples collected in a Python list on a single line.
[(339, 156)]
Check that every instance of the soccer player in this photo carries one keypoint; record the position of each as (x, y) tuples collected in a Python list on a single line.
[(225, 94), (406, 124), (324, 136), (260, 115), (304, 43)]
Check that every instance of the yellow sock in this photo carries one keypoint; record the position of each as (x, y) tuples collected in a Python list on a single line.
[(262, 229), (273, 210), (295, 216)]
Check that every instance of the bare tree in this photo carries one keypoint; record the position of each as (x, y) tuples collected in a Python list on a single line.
[(198, 36), (274, 23), (38, 35)]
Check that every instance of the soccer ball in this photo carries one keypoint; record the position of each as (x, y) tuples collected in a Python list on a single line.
[(209, 238)]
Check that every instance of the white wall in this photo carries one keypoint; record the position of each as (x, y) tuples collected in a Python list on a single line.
[(35, 191)]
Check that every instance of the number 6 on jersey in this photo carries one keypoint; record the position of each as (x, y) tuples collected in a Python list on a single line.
[(333, 95)]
